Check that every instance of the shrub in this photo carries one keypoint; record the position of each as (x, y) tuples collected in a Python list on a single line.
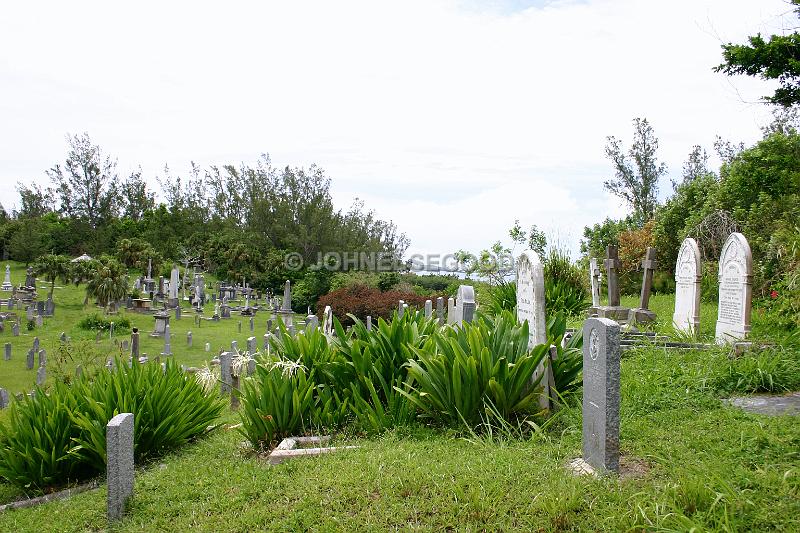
[(564, 285), (502, 297), (97, 322), (461, 372), (59, 437), (361, 301)]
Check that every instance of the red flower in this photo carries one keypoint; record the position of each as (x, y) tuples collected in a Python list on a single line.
[(773, 294)]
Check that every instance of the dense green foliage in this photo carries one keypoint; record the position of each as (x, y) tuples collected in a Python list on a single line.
[(96, 322), (58, 436)]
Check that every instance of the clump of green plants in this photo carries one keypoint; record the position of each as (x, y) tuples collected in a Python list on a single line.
[(773, 370), (564, 285), (97, 322), (58, 437)]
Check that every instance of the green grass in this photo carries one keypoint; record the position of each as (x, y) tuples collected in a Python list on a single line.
[(705, 465), (70, 309)]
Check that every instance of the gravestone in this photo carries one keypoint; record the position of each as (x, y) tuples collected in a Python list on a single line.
[(173, 288), (135, 343), (234, 346), (595, 280), (643, 314), (613, 310), (312, 322), (29, 360), (451, 311), (42, 357), (29, 312), (8, 351), (465, 303), (400, 308), (530, 308), (15, 329), (63, 336), (189, 339), (225, 367), (601, 394), (440, 310), (49, 307), (36, 344), (266, 341), (208, 346), (41, 376), (40, 308), (369, 323), (251, 345), (428, 309), (239, 327), (327, 321), (251, 366), (39, 321), (111, 331), (735, 289), (3, 398), (688, 276), (167, 339), (160, 326), (178, 312), (7, 281), (119, 464), (252, 325)]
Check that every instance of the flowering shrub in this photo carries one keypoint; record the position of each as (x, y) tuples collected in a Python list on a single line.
[(361, 301)]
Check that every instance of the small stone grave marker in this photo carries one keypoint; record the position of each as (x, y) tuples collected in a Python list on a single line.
[(119, 469)]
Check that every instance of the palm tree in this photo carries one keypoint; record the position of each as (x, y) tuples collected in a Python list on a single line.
[(52, 267), (108, 282)]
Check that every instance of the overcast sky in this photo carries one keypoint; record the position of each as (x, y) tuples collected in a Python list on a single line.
[(451, 118)]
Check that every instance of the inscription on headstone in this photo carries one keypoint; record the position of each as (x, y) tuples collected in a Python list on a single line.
[(735, 289)]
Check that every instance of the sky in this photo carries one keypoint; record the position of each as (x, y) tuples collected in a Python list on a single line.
[(451, 118)]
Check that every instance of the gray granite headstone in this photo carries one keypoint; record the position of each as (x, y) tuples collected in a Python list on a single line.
[(39, 321), (251, 345), (42, 357), (451, 311), (595, 281), (135, 343), (29, 362), (3, 398), (234, 346), (167, 340), (8, 351), (251, 366), (225, 366), (369, 323), (601, 394), (36, 344), (119, 469), (465, 303), (189, 339), (41, 375), (428, 308), (401, 307), (178, 313)]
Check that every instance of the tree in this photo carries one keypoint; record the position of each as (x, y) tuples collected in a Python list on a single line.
[(775, 59), (136, 199), (108, 282), (52, 268), (86, 186), (695, 167), (637, 185), (34, 202), (535, 239)]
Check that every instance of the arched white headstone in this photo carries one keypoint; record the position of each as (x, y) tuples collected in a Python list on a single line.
[(688, 273), (735, 289), (530, 296), (465, 303)]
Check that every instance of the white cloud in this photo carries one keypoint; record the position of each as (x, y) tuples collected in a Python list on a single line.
[(451, 118)]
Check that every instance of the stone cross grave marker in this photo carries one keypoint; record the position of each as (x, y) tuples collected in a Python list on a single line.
[(119, 469), (612, 267), (594, 278), (601, 394), (648, 268), (688, 275), (735, 289), (530, 308), (465, 303)]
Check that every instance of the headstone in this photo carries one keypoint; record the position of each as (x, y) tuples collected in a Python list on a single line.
[(36, 344), (11, 303), (111, 331), (735, 289), (173, 287), (327, 321), (3, 398), (251, 345), (189, 339), (269, 325), (251, 366), (119, 464), (612, 272), (601, 394), (167, 339), (7, 281), (312, 322), (266, 340), (42, 357), (595, 280), (465, 303), (401, 307), (239, 327), (178, 312), (29, 312), (125, 344), (41, 376), (369, 323), (234, 346), (49, 307), (160, 326), (287, 297), (15, 329), (451, 311), (135, 343), (440, 310), (225, 366), (531, 308), (643, 313), (63, 336), (40, 307), (428, 309), (8, 351), (252, 324), (39, 321), (688, 276), (208, 346)]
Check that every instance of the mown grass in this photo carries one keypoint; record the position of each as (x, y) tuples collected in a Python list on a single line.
[(702, 464)]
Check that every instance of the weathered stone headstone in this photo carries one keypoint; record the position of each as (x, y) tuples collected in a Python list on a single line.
[(189, 339), (8, 351), (735, 289), (252, 325), (173, 288), (428, 309), (40, 307), (400, 308), (178, 312), (167, 340), (15, 329), (42, 357), (369, 323), (135, 343), (251, 366), (225, 367), (208, 346), (29, 312), (41, 376), (595, 279), (63, 336), (530, 308), (601, 394), (451, 311), (39, 321), (234, 346), (251, 345), (465, 303), (36, 344), (119, 460), (440, 310), (312, 322), (111, 331), (29, 361), (327, 321), (49, 307), (3, 398), (160, 326), (688, 276)]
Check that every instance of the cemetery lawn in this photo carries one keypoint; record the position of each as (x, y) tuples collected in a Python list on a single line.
[(693, 461)]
